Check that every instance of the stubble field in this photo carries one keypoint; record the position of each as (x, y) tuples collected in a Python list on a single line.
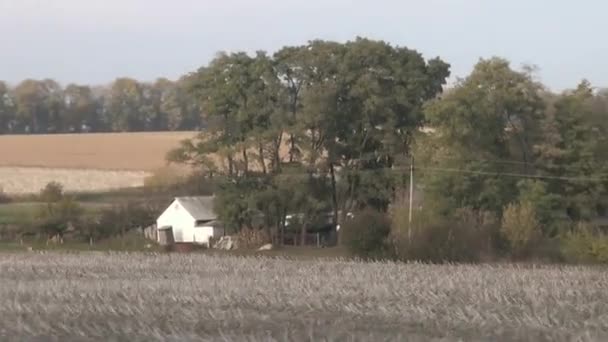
[(159, 297), (83, 162)]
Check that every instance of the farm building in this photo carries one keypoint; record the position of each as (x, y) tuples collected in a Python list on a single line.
[(189, 220)]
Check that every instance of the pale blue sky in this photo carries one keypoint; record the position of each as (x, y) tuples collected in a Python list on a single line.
[(95, 41)]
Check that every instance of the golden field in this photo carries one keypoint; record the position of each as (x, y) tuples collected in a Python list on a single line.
[(83, 162), (28, 180), (98, 151)]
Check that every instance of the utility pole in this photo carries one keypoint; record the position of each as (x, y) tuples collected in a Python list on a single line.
[(411, 201)]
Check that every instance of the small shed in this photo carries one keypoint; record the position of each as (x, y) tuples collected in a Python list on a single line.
[(189, 220)]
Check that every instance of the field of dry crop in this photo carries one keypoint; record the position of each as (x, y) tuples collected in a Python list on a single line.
[(139, 297), (99, 151), (26, 180), (83, 162)]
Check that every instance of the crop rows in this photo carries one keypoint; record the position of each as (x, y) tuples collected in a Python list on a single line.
[(160, 297)]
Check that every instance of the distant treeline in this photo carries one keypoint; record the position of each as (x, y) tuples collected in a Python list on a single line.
[(45, 106)]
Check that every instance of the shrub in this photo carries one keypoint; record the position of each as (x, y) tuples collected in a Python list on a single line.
[(465, 236), (163, 179), (56, 217), (366, 234), (520, 227), (251, 238), (52, 192), (584, 244), (4, 197)]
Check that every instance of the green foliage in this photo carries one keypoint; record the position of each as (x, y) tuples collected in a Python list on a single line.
[(574, 144), (520, 227), (547, 206), (52, 192), (345, 111), (366, 234), (118, 221), (55, 218), (584, 244), (490, 116), (466, 235)]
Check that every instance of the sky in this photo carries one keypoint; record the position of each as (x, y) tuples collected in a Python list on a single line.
[(96, 41)]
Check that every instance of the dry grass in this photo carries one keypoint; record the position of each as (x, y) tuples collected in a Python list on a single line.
[(83, 162), (100, 151), (139, 297), (21, 180), (91, 162)]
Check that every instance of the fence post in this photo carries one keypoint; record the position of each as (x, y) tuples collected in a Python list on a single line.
[(318, 241)]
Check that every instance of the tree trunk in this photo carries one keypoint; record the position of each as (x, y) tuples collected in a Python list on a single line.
[(245, 161), (230, 166), (334, 199), (292, 147), (303, 234), (262, 161), (277, 153)]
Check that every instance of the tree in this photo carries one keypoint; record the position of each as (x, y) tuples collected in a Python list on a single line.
[(7, 111), (367, 234), (27, 99), (347, 109), (125, 104), (291, 71), (56, 217), (573, 153), (81, 109), (362, 103), (52, 192), (490, 117)]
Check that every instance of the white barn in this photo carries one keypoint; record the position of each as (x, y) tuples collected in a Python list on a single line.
[(189, 220)]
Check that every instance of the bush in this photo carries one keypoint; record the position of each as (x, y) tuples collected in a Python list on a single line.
[(585, 244), (163, 179), (4, 198), (466, 236), (55, 218), (249, 238), (52, 192), (366, 234), (520, 227)]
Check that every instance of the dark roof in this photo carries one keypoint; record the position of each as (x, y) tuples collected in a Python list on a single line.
[(201, 208)]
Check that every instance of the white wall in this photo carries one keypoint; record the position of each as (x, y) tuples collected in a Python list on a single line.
[(201, 235), (181, 221)]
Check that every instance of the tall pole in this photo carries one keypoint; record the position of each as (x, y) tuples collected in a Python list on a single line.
[(411, 201)]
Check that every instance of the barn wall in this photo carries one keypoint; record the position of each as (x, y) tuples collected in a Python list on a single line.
[(201, 235), (178, 218)]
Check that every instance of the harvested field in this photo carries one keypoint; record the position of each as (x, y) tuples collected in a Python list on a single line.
[(26, 180), (100, 151), (139, 297)]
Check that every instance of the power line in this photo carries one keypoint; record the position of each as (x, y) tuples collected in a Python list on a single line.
[(510, 174)]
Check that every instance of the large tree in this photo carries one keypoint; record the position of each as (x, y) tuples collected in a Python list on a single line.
[(81, 109), (39, 105), (572, 153), (124, 105), (7, 109), (484, 132), (347, 110)]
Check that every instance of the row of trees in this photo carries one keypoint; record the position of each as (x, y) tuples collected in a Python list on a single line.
[(334, 127), (311, 129), (45, 106)]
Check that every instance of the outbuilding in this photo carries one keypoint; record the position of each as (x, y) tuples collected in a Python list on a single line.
[(189, 220)]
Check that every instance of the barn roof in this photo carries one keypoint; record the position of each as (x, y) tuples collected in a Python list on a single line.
[(201, 208)]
